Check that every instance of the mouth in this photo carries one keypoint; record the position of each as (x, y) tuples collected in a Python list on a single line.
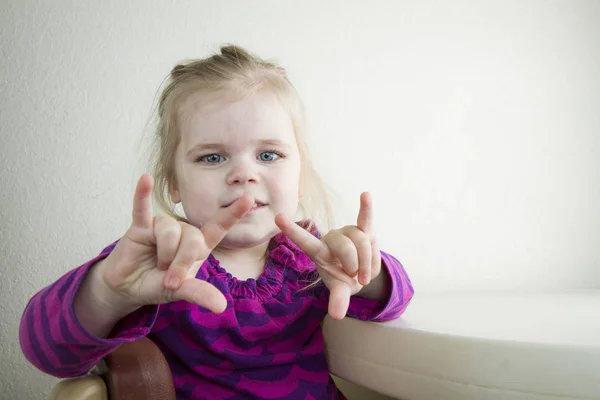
[(257, 204)]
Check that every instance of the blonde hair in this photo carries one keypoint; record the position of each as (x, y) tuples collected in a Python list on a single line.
[(234, 72)]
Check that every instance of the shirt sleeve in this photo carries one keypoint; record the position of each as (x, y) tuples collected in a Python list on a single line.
[(53, 339), (400, 294)]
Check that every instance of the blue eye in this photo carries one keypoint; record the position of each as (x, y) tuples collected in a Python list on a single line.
[(268, 156), (211, 159)]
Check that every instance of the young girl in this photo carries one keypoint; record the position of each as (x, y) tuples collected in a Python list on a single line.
[(233, 293)]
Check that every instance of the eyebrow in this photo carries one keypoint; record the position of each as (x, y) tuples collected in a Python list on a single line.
[(220, 146)]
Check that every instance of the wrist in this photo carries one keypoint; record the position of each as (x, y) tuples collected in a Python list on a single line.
[(378, 288), (104, 294), (97, 307)]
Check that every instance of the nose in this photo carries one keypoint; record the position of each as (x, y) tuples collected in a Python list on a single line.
[(241, 173)]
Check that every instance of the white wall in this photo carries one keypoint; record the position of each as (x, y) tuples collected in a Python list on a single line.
[(475, 124)]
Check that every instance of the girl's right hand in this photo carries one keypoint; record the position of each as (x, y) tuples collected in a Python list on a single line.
[(158, 258)]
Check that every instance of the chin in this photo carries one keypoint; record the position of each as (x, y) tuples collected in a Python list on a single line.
[(244, 236)]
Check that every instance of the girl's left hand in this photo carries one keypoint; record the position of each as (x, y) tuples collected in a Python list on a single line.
[(347, 258)]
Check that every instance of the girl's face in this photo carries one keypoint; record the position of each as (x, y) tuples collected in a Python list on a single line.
[(240, 147)]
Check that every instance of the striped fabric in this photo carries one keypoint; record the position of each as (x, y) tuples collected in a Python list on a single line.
[(268, 343)]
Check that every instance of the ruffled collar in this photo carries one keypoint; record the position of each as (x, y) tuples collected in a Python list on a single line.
[(282, 253)]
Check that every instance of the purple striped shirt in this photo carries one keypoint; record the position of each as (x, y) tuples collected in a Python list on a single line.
[(268, 343)]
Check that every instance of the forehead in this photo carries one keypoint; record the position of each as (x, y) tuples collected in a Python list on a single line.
[(219, 118)]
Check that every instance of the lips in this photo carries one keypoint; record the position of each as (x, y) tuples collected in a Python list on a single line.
[(256, 203)]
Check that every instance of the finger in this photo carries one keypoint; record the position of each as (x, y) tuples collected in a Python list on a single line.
[(193, 271), (142, 203), (302, 238), (203, 294), (191, 247), (365, 214), (217, 227), (342, 247), (168, 235), (375, 259), (363, 249), (339, 299)]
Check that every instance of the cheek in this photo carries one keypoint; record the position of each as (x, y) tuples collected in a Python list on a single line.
[(199, 203), (197, 184), (285, 190)]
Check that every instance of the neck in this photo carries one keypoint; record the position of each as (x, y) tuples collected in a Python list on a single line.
[(251, 254), (243, 263)]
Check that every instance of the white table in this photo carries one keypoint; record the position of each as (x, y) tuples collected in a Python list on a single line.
[(476, 346)]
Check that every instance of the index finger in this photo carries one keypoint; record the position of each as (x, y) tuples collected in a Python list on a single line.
[(364, 222), (302, 238), (142, 202), (217, 227)]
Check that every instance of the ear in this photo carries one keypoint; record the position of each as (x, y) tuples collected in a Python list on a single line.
[(174, 193)]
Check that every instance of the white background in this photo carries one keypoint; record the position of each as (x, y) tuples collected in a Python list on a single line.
[(476, 125)]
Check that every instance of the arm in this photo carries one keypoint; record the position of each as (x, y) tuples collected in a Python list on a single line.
[(54, 340), (95, 307), (386, 297), (63, 325)]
